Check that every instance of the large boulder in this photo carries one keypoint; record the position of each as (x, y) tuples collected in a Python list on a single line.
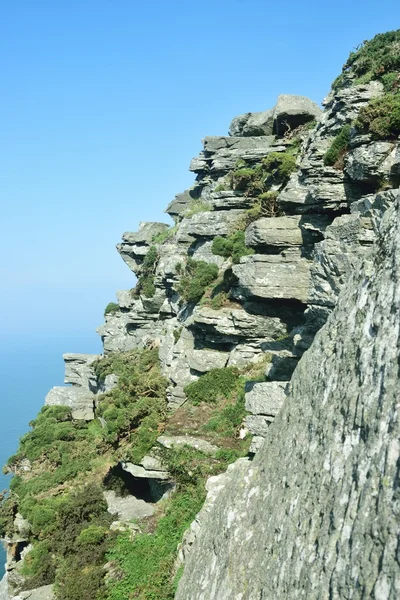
[(292, 111)]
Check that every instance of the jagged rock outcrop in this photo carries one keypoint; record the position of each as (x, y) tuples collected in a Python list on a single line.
[(316, 514)]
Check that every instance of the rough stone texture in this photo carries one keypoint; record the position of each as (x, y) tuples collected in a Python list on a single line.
[(317, 515), (285, 276), (265, 398), (78, 370), (208, 224), (205, 360), (292, 111), (128, 507), (79, 400), (141, 472), (258, 123), (177, 441), (43, 593)]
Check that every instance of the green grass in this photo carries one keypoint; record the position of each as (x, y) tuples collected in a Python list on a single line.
[(338, 146), (214, 385)]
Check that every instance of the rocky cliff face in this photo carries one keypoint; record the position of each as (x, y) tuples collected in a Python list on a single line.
[(316, 514), (282, 225)]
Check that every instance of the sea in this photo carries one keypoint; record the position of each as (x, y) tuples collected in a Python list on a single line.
[(29, 368)]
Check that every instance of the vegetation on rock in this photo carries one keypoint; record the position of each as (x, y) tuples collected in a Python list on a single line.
[(338, 146), (373, 59), (212, 386), (145, 284), (233, 246), (111, 308), (196, 276), (381, 117)]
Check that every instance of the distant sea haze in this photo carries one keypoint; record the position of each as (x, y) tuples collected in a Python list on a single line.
[(28, 369)]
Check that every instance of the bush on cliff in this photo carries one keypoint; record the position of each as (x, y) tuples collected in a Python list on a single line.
[(195, 278), (233, 246), (111, 308), (145, 284), (338, 146), (381, 117), (135, 408), (273, 170)]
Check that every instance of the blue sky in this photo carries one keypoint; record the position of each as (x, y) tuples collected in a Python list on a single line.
[(102, 105)]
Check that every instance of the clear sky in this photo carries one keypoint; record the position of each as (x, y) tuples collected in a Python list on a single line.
[(102, 105)]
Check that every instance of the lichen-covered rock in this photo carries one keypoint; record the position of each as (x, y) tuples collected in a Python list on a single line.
[(253, 124), (316, 514), (265, 398), (178, 441)]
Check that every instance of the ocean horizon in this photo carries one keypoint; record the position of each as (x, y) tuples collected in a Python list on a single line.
[(29, 368)]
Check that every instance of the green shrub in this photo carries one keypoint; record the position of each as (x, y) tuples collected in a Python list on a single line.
[(381, 117), (145, 284), (111, 308), (195, 279), (373, 59), (391, 81), (137, 405), (266, 205), (8, 511), (39, 566), (227, 417), (274, 170), (232, 246), (214, 385), (338, 146)]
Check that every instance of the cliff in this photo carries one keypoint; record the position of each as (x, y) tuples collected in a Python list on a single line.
[(215, 359)]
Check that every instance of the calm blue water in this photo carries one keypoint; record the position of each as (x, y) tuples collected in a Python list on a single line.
[(28, 369)]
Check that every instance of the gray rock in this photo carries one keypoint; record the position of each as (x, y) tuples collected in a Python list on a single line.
[(292, 111), (234, 325), (348, 239), (80, 401), (142, 473), (258, 425), (368, 163), (177, 441), (285, 276), (79, 370), (286, 231), (227, 200), (208, 224), (203, 251), (180, 203), (266, 398), (206, 360), (147, 231), (253, 124), (127, 507), (43, 593), (316, 513), (221, 154)]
